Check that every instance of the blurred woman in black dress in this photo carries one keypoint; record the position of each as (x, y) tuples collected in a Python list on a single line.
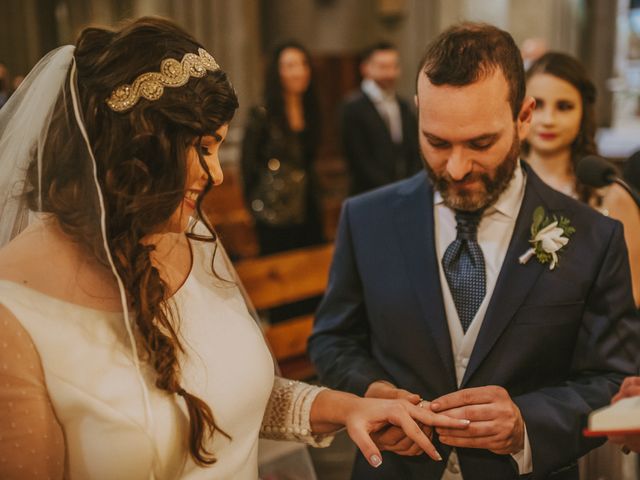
[(278, 154)]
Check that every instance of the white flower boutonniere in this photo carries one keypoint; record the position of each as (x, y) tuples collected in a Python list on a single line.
[(549, 235)]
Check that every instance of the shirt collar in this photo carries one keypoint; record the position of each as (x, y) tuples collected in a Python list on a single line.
[(374, 92), (509, 202)]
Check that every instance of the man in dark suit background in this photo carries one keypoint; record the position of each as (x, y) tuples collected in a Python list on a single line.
[(378, 128), (434, 290)]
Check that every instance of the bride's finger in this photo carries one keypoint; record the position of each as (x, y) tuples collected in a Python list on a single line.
[(363, 441), (402, 419), (424, 414)]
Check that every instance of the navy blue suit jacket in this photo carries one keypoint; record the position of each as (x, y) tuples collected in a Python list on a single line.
[(559, 341)]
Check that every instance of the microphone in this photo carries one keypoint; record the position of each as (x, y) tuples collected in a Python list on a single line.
[(597, 172)]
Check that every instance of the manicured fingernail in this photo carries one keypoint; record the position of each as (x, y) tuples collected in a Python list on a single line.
[(438, 456), (435, 406), (375, 460), (465, 421)]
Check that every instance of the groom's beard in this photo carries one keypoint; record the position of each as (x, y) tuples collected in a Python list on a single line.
[(491, 185)]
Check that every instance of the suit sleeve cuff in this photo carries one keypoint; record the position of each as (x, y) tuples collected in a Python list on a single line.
[(523, 458)]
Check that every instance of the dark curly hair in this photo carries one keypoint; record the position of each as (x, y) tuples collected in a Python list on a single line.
[(571, 70), (141, 159)]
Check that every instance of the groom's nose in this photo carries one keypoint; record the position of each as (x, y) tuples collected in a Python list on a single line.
[(458, 164)]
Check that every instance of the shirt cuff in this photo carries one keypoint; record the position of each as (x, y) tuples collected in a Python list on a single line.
[(523, 457)]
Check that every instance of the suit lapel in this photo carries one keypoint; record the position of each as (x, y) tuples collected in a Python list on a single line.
[(514, 281), (414, 219)]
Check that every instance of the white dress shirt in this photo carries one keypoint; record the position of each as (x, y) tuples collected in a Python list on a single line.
[(494, 235), (387, 105)]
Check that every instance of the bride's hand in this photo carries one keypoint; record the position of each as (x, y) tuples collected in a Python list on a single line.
[(365, 416)]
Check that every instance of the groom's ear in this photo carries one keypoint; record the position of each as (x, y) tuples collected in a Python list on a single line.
[(524, 117)]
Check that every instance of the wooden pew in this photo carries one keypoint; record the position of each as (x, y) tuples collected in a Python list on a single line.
[(280, 279), (225, 208)]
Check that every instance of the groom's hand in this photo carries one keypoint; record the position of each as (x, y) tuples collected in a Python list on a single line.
[(496, 422), (392, 438), (384, 389)]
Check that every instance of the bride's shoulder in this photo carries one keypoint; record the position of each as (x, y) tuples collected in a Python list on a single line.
[(44, 259), (30, 254)]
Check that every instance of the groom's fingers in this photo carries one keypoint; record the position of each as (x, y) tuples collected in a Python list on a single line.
[(413, 450), (404, 445), (474, 413), (475, 429), (393, 439), (409, 448), (467, 396), (475, 442), (389, 437), (383, 389)]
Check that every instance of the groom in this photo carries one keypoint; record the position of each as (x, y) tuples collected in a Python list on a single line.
[(430, 292)]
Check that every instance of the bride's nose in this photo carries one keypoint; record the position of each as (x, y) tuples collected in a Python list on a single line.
[(215, 169)]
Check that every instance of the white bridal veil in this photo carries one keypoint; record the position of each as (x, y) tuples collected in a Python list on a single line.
[(24, 124)]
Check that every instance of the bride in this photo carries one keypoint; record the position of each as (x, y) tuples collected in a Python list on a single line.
[(127, 348)]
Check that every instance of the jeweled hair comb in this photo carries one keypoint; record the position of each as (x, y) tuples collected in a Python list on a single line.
[(172, 74)]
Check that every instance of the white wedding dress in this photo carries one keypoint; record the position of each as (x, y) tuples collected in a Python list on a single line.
[(80, 359)]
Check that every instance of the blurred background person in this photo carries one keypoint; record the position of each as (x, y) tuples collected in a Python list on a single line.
[(5, 91), (278, 154), (379, 129), (16, 81), (563, 132), (532, 49)]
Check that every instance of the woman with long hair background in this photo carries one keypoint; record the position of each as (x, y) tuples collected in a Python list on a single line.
[(563, 132), (279, 151)]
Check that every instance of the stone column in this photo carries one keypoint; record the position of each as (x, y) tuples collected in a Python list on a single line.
[(27, 32), (598, 53)]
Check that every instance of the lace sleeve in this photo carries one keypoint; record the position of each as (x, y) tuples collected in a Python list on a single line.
[(31, 439), (287, 414)]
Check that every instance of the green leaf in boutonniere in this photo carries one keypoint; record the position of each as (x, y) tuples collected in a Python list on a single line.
[(549, 237), (538, 218)]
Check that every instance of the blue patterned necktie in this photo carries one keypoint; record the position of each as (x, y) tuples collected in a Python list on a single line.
[(463, 265)]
